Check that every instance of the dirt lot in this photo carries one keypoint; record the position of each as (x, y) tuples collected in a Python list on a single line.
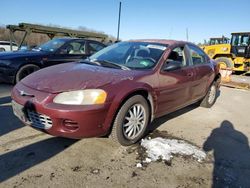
[(29, 158)]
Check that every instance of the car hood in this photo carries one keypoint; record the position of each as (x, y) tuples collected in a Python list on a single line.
[(75, 76), (20, 54)]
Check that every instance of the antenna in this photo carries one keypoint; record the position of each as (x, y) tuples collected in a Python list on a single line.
[(170, 33), (119, 19), (187, 34)]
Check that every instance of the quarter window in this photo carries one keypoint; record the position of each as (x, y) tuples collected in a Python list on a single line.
[(197, 56)]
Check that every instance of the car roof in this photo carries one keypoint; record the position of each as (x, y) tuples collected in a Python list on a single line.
[(162, 41)]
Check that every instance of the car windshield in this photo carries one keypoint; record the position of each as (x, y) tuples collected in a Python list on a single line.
[(133, 55), (51, 45)]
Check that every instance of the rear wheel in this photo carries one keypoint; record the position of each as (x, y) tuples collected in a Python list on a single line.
[(2, 50), (210, 98), (131, 122), (224, 62), (25, 71)]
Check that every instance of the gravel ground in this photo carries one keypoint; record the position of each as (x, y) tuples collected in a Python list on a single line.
[(29, 158)]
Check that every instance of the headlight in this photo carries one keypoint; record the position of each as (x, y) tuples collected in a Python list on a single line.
[(81, 97)]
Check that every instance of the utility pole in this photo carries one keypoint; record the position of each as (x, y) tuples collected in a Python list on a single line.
[(187, 33), (119, 19)]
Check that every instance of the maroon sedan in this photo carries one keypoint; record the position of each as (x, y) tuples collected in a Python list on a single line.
[(117, 91)]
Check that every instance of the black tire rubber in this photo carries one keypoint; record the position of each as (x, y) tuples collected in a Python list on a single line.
[(225, 60), (20, 72), (2, 50), (117, 129), (205, 103)]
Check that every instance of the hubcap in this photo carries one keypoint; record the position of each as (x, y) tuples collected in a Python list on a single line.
[(134, 121), (212, 94)]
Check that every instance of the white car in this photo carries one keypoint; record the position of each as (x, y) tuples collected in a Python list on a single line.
[(5, 46)]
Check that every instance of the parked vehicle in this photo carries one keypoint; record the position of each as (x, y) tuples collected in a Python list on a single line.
[(119, 90), (5, 46), (234, 54), (219, 40), (14, 66)]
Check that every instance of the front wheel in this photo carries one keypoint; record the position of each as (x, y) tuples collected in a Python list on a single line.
[(131, 121), (210, 98), (25, 71)]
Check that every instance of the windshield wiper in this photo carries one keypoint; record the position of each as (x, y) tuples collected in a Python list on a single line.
[(87, 61), (111, 64)]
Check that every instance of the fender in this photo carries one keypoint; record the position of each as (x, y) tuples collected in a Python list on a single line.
[(121, 97)]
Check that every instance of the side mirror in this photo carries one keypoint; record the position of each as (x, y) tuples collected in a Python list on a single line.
[(172, 65)]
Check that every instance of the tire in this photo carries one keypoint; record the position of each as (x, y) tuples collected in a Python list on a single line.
[(25, 71), (2, 50), (225, 61), (121, 133), (211, 96)]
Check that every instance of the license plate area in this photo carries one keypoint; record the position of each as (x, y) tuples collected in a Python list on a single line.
[(19, 111)]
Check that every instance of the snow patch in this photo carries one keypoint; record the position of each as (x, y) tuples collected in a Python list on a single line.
[(160, 148), (139, 165)]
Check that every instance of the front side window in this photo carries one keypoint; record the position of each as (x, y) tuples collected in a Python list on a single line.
[(134, 55), (50, 46), (197, 55)]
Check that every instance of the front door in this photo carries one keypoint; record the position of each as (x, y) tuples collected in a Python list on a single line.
[(174, 86), (70, 52)]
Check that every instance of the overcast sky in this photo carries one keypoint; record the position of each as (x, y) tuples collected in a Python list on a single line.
[(139, 19)]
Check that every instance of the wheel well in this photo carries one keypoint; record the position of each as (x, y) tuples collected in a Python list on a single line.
[(217, 77), (147, 97), (143, 93), (21, 66)]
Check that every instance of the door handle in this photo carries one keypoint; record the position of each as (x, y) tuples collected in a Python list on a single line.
[(190, 74)]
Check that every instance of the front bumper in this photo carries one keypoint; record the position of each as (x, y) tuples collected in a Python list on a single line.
[(60, 120)]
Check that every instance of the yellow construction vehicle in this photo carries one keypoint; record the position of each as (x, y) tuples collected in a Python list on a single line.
[(234, 54)]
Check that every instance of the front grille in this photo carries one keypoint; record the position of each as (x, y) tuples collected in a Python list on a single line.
[(39, 120)]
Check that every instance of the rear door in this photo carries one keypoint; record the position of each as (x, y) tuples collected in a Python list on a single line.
[(204, 70), (174, 86)]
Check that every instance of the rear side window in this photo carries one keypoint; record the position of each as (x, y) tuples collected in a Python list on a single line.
[(7, 43), (95, 47), (197, 55), (4, 43)]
